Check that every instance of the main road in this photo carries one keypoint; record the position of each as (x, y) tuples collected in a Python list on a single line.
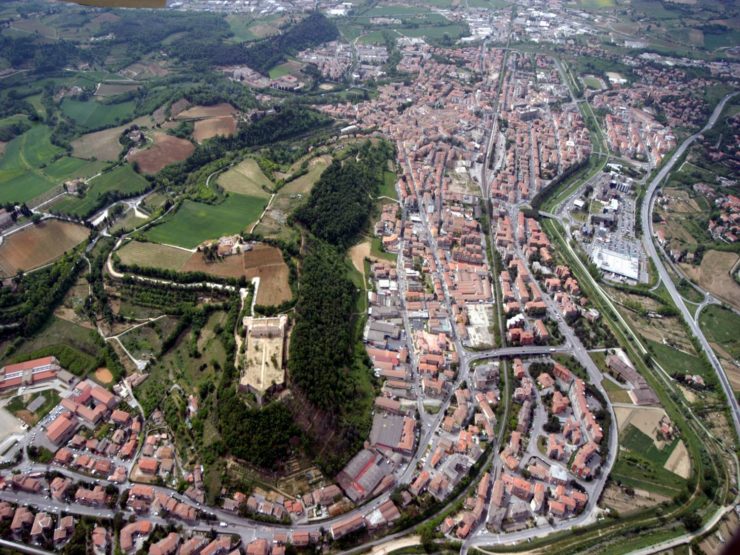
[(646, 217)]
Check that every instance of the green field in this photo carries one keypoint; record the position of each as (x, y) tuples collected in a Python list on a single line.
[(631, 469), (388, 188), (92, 114), (281, 70), (246, 178), (122, 179), (69, 167), (721, 326), (675, 361), (635, 440), (196, 222), (21, 178), (597, 4), (76, 347)]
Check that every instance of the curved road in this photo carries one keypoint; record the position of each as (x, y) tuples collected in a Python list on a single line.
[(647, 239)]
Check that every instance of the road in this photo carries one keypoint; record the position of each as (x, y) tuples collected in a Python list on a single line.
[(649, 243)]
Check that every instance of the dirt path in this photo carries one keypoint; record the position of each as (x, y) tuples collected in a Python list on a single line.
[(383, 549)]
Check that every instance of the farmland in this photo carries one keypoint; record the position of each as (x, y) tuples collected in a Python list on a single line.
[(246, 178), (122, 181), (224, 126), (102, 145), (165, 151), (91, 114), (112, 88), (261, 261), (153, 255), (20, 175), (195, 222), (200, 112), (38, 245)]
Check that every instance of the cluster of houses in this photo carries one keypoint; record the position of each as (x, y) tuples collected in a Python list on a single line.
[(544, 136), (633, 132), (40, 528)]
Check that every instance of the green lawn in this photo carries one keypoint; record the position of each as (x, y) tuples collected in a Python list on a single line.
[(21, 178), (196, 222), (92, 114), (721, 326), (122, 179), (388, 188)]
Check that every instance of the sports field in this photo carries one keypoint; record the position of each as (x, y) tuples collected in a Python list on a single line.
[(195, 222), (122, 179), (246, 178), (39, 244)]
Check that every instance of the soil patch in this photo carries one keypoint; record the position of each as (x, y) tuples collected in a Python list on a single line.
[(103, 375), (644, 419), (40, 244), (178, 107), (679, 462), (166, 150)]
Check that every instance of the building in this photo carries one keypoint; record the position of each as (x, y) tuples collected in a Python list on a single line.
[(263, 367)]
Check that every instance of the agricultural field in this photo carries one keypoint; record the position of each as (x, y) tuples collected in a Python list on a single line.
[(249, 29), (262, 261), (101, 145), (20, 176), (713, 275), (195, 222), (38, 245), (92, 114), (112, 88), (201, 112), (69, 168), (165, 151), (153, 255), (721, 326), (224, 126), (246, 178), (122, 180), (641, 463)]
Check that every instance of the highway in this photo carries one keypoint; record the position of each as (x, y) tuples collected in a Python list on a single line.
[(649, 244)]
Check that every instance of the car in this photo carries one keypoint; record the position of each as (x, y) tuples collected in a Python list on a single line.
[(222, 524), (552, 350)]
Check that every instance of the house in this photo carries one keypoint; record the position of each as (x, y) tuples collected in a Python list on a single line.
[(62, 428), (166, 546), (64, 530), (131, 532), (347, 526)]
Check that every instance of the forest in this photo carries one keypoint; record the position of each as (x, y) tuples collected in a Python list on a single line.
[(322, 340), (209, 49), (341, 202)]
